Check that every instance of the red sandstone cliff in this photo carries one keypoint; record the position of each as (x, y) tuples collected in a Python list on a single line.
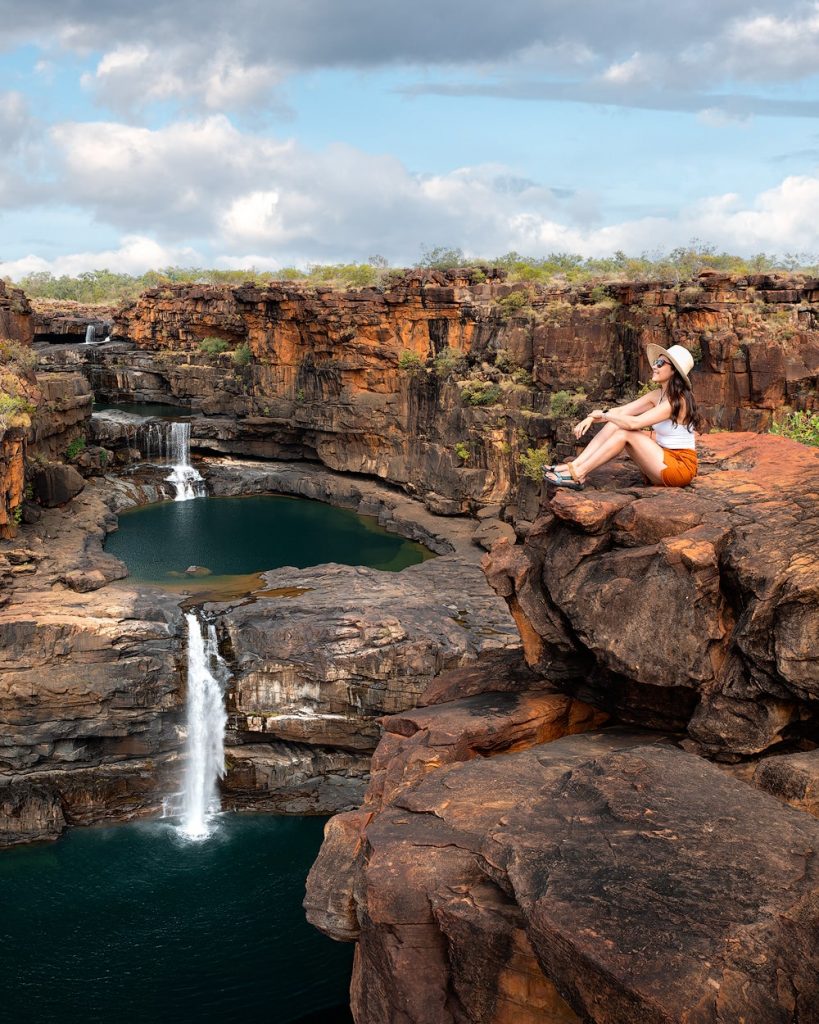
[(501, 870), (329, 375)]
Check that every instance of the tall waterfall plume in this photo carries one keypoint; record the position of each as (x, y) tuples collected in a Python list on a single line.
[(206, 721), (187, 480), (90, 334)]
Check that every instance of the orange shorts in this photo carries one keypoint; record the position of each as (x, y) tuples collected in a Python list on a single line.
[(680, 466)]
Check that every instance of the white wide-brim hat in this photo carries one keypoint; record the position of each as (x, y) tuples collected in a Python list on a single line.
[(679, 357)]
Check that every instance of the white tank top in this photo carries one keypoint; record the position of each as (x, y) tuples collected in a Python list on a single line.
[(671, 435)]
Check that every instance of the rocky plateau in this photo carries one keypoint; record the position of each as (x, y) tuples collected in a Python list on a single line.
[(576, 755)]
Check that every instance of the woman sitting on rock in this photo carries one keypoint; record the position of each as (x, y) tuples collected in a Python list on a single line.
[(669, 458)]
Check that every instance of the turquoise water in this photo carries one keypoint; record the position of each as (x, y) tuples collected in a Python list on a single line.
[(133, 925), (236, 536)]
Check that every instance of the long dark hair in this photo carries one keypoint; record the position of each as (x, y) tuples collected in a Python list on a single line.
[(680, 395)]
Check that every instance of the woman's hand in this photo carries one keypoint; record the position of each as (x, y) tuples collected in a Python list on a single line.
[(597, 416), (583, 426)]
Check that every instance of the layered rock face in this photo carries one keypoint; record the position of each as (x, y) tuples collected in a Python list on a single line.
[(62, 413), (64, 321), (341, 376), (12, 478), (16, 321), (686, 609), (90, 681)]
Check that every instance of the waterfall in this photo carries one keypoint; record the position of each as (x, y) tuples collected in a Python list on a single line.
[(90, 334), (153, 441), (187, 480), (206, 721)]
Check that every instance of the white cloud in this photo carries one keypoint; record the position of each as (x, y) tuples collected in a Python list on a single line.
[(782, 45), (211, 57), (135, 255), (238, 193), (636, 70), (128, 78)]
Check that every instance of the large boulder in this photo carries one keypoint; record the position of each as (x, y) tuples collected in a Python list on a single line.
[(56, 484), (645, 886)]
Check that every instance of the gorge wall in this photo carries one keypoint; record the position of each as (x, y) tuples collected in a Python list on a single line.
[(370, 381)]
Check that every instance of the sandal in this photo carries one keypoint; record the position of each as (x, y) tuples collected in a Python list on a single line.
[(569, 480)]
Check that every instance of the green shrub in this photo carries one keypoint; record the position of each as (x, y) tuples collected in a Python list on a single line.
[(299, 395), (75, 447), (15, 410), (213, 346), (566, 403), (461, 449), (242, 355), (17, 357), (103, 458), (601, 297), (480, 392), (503, 361), (515, 304), (449, 361), (521, 376), (799, 426), (534, 461), (17, 515), (440, 258), (410, 362)]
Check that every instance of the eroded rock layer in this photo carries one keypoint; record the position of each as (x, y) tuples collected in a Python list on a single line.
[(688, 609), (370, 381)]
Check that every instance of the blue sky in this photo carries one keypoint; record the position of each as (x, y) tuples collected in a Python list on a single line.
[(273, 134)]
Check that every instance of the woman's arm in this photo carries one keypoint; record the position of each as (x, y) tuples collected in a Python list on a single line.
[(643, 404), (661, 411)]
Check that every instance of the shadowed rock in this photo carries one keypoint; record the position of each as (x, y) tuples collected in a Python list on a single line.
[(652, 887)]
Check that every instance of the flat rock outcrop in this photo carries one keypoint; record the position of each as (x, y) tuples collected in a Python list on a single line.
[(690, 609), (321, 654), (639, 879)]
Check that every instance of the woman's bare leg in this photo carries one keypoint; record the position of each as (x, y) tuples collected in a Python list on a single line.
[(646, 453), (599, 439)]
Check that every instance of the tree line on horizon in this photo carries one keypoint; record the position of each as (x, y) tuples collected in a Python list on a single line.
[(678, 266)]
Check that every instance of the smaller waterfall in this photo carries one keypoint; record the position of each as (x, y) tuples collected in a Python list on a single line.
[(153, 441), (187, 480), (206, 721), (90, 334)]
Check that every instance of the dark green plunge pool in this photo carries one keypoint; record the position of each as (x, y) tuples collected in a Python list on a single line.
[(135, 925), (229, 538)]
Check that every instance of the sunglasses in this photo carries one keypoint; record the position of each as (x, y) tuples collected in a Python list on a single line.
[(658, 364)]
